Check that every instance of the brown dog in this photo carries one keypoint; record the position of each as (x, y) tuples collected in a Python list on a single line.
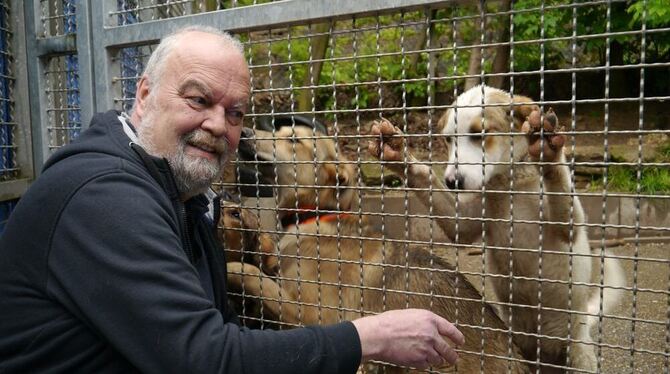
[(242, 240), (334, 267), (239, 233)]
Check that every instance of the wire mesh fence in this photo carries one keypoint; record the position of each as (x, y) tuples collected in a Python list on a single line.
[(546, 262), (149, 10), (8, 165)]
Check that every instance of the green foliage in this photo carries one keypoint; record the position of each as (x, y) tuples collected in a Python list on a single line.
[(658, 13), (542, 32), (652, 179), (664, 152)]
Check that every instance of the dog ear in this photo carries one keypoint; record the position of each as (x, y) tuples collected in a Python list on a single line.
[(442, 122), (522, 109), (332, 175)]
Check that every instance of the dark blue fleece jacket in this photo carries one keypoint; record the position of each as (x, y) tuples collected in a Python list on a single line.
[(94, 278)]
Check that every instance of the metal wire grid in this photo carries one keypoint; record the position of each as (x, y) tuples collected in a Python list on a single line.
[(62, 99), (278, 83), (148, 10), (56, 17), (356, 86), (9, 168), (61, 77)]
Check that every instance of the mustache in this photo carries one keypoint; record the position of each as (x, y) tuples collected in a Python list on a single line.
[(203, 139)]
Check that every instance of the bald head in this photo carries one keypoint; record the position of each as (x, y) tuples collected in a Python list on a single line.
[(181, 39)]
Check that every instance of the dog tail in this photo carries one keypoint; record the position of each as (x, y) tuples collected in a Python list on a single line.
[(613, 282)]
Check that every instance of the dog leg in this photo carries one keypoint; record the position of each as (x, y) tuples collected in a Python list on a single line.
[(389, 146), (545, 146), (254, 282), (566, 210)]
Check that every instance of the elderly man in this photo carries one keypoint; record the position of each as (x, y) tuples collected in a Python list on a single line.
[(109, 262)]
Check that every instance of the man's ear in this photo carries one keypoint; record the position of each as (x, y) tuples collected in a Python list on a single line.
[(141, 96)]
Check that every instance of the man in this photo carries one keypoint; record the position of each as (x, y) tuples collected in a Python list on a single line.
[(109, 263)]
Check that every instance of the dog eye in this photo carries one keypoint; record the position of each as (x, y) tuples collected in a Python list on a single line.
[(476, 137), (235, 214)]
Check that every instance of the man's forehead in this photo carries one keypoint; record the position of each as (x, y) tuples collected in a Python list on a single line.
[(214, 89)]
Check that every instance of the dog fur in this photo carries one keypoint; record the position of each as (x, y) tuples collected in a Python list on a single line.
[(487, 171), (242, 240), (337, 268)]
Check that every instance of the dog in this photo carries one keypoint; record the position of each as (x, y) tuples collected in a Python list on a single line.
[(334, 266), (243, 241), (497, 148)]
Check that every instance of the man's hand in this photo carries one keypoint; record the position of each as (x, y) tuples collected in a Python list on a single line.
[(409, 337)]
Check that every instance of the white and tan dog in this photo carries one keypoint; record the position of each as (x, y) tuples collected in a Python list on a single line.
[(525, 215)]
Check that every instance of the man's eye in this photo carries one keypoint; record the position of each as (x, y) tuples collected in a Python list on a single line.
[(198, 100), (236, 117)]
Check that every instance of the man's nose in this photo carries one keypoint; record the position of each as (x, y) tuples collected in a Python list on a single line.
[(215, 123)]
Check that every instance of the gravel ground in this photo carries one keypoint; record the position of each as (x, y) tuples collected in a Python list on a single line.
[(635, 339)]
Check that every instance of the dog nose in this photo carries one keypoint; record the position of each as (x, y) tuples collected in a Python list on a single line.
[(247, 133), (454, 182)]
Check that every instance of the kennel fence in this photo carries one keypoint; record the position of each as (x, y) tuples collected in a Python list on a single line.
[(602, 65)]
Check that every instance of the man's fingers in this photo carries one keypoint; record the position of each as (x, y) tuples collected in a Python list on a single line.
[(446, 352), (447, 329), (435, 358)]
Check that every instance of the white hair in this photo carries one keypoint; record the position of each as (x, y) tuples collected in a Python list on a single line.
[(156, 64)]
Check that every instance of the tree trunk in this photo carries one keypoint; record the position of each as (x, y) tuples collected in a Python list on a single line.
[(475, 64), (501, 59), (319, 47)]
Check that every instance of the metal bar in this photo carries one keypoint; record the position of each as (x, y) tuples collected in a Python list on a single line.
[(55, 45), (263, 16), (85, 51), (22, 133), (101, 56), (10, 190), (35, 73)]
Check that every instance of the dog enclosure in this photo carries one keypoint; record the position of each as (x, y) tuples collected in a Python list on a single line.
[(602, 66)]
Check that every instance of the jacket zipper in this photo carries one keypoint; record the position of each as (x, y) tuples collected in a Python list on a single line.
[(187, 238)]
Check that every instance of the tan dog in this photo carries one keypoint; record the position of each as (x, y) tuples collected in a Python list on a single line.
[(481, 158), (242, 240), (239, 233), (335, 268)]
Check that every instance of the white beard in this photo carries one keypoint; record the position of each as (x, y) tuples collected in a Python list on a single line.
[(193, 175)]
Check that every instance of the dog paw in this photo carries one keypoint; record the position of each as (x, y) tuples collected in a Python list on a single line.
[(388, 143), (543, 142)]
